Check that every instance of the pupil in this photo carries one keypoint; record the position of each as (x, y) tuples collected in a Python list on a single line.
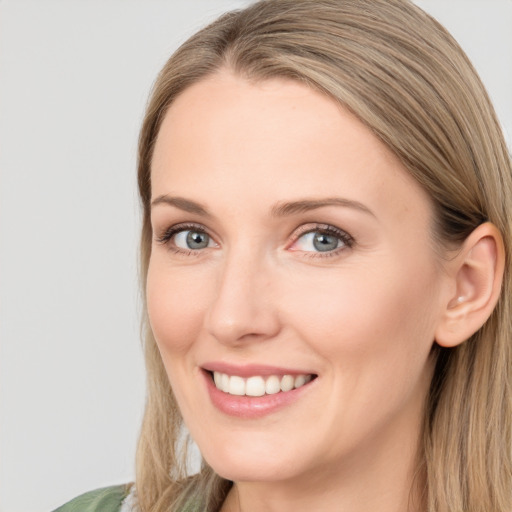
[(197, 240), (323, 242)]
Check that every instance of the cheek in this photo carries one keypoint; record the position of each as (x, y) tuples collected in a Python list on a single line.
[(175, 301), (374, 334), (362, 320)]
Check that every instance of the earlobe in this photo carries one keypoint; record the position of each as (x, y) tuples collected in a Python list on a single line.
[(477, 274)]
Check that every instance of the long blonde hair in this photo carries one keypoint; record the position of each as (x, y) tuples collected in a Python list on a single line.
[(407, 79)]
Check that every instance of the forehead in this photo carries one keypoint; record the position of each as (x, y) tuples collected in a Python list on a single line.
[(277, 138)]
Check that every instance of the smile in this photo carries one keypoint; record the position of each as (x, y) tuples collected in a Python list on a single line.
[(258, 385), (254, 391)]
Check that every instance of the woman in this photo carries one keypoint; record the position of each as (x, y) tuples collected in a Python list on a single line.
[(326, 263)]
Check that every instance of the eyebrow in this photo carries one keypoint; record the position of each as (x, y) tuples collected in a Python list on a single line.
[(183, 204), (281, 209), (294, 207)]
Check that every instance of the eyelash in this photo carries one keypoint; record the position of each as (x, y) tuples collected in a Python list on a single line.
[(326, 229), (166, 237)]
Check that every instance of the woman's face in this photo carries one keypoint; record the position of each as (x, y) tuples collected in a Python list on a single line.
[(291, 248)]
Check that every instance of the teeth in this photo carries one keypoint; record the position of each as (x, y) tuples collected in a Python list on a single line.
[(287, 383), (236, 386), (255, 386), (273, 385), (224, 382), (299, 381), (258, 386)]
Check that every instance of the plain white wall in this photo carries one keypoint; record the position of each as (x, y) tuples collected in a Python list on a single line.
[(74, 80)]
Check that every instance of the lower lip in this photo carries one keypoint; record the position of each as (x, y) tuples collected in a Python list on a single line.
[(250, 407)]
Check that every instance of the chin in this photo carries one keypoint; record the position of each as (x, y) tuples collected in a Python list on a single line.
[(252, 471), (253, 462)]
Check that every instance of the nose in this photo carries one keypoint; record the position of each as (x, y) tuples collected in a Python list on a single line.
[(243, 308)]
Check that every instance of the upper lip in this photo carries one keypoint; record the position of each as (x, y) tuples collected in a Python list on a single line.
[(251, 370)]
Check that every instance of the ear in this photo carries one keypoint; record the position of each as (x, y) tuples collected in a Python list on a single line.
[(476, 275)]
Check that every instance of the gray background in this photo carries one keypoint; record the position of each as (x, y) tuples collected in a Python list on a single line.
[(75, 75)]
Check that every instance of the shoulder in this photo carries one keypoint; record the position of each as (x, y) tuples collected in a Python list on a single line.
[(108, 499)]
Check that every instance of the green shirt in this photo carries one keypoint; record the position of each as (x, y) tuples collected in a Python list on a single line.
[(108, 499)]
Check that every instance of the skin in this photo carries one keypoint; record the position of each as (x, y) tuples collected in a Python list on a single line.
[(361, 317)]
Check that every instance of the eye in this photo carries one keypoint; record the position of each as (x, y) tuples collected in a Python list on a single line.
[(192, 240), (186, 238), (326, 239)]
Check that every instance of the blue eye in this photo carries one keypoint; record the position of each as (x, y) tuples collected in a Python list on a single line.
[(322, 240), (189, 239), (186, 238)]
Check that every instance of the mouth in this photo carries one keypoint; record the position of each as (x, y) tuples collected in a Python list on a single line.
[(258, 385), (254, 391)]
